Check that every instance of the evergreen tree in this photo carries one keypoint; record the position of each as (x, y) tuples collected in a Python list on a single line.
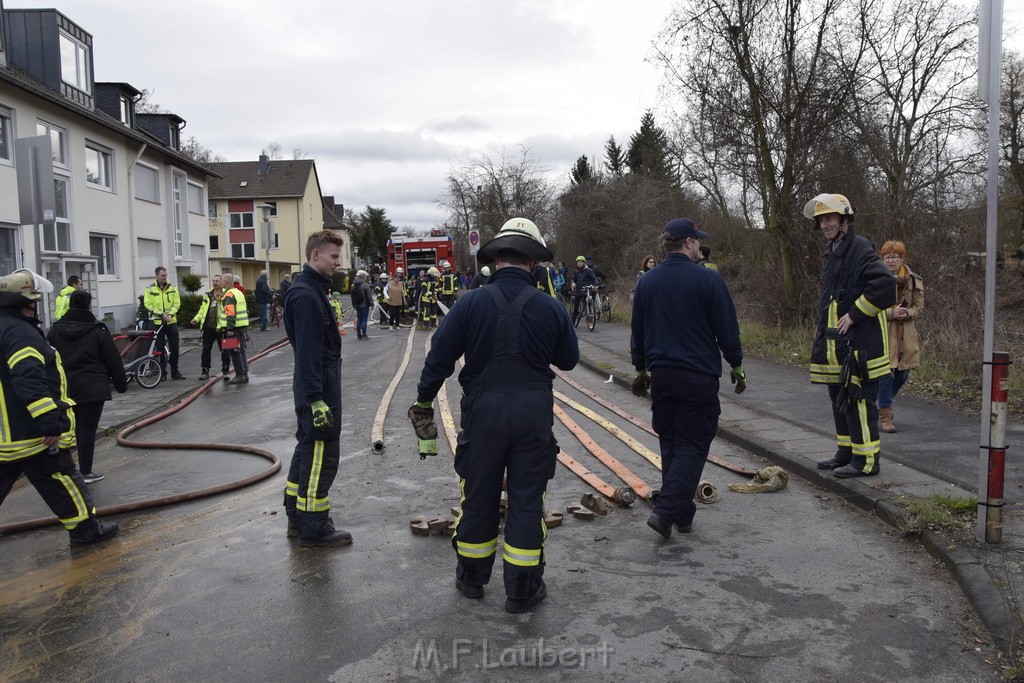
[(648, 151), (582, 172), (614, 158)]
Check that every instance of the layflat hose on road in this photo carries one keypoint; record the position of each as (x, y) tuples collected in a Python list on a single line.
[(122, 440), (712, 458), (625, 438), (377, 431)]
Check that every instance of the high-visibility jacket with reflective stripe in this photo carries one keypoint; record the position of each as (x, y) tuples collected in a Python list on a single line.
[(449, 283), (34, 399), (159, 301), (212, 297), (855, 281), (232, 312), (62, 304)]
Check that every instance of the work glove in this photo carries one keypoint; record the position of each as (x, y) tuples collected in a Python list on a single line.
[(641, 383), (323, 418), (739, 378), (422, 415)]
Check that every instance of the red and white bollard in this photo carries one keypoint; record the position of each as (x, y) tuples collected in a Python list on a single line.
[(993, 505)]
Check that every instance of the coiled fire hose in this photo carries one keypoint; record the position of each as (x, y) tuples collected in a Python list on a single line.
[(122, 440)]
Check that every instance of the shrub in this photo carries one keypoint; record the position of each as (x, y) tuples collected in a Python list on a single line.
[(191, 282)]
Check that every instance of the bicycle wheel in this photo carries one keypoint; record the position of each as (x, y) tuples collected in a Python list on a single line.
[(148, 373), (592, 314), (277, 315), (606, 305)]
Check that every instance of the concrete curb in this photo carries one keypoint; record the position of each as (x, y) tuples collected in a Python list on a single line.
[(970, 573)]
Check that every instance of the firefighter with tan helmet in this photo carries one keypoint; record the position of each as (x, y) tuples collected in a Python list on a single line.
[(850, 350), (39, 423), (510, 334)]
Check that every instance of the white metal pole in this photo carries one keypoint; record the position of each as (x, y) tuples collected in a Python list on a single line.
[(990, 53)]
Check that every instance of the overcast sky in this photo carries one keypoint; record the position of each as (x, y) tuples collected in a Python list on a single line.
[(388, 96), (385, 96)]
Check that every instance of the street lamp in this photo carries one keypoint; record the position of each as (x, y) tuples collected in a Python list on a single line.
[(266, 209)]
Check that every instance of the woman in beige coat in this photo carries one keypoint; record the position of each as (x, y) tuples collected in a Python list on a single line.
[(904, 347)]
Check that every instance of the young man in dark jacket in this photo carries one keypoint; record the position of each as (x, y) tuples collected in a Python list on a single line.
[(91, 363), (850, 353), (38, 436), (316, 381)]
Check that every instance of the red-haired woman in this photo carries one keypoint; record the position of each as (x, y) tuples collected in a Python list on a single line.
[(904, 347)]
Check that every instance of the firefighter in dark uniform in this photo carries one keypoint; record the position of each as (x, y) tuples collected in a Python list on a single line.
[(510, 334), (428, 299), (685, 364), (542, 278), (449, 284), (313, 332), (39, 423), (851, 342)]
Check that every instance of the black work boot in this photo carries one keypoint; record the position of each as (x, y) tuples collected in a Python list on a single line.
[(97, 532), (520, 605), (470, 590), (855, 470), (239, 379), (331, 539)]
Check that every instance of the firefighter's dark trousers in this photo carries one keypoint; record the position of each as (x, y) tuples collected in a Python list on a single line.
[(496, 440), (59, 482), (315, 462), (857, 428), (684, 413)]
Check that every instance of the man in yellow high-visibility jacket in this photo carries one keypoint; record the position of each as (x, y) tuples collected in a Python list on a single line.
[(233, 320), (61, 304), (162, 301)]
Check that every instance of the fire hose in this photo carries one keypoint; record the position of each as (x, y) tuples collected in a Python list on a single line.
[(620, 470), (625, 438), (721, 462), (122, 440), (377, 431)]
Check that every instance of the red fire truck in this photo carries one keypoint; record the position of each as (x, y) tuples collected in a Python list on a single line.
[(413, 254)]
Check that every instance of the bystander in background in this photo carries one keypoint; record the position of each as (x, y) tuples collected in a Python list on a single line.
[(904, 347)]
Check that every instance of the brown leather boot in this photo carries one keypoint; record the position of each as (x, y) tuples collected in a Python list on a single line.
[(885, 420)]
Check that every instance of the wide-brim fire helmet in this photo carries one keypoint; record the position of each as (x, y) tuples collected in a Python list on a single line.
[(520, 235)]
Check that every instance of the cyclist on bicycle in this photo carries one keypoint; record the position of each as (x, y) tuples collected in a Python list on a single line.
[(582, 278)]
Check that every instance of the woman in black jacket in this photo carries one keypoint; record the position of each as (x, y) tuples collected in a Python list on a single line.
[(91, 362)]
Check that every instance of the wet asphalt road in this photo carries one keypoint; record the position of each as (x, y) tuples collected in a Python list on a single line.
[(789, 585)]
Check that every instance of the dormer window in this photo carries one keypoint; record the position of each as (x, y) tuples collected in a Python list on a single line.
[(74, 63), (175, 137), (126, 110)]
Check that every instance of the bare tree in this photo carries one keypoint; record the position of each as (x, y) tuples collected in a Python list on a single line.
[(486, 189), (912, 104), (273, 151), (1012, 136), (764, 73)]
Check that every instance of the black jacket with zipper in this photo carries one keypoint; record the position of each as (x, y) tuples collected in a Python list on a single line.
[(90, 359)]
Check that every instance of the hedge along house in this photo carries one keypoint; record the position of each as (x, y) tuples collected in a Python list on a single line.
[(291, 191), (125, 198)]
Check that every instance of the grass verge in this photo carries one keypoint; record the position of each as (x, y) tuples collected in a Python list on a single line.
[(939, 512)]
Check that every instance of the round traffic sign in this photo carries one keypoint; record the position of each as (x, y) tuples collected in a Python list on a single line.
[(474, 237)]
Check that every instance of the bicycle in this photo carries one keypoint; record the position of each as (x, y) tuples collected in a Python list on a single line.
[(606, 303), (276, 309), (590, 308)]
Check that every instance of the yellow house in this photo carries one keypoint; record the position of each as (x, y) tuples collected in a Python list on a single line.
[(288, 193)]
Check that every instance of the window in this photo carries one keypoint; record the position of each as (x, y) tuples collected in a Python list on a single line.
[(8, 250), (149, 257), (126, 110), (57, 236), (242, 235), (147, 183), (174, 136), (177, 211), (273, 208), (58, 139), (104, 247), (214, 243), (74, 63), (6, 135), (195, 198), (211, 210), (98, 165)]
